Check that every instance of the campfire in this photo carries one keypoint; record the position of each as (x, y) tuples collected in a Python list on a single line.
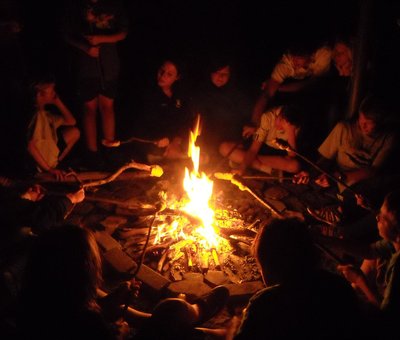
[(191, 234)]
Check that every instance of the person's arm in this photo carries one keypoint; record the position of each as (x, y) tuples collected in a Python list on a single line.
[(354, 248), (358, 280), (41, 162), (297, 85), (51, 210), (95, 40), (84, 46), (250, 156), (69, 119), (269, 91), (354, 176)]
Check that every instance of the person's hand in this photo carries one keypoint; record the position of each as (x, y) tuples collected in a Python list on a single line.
[(125, 293), (362, 201), (303, 177), (93, 40), (163, 142), (58, 174), (238, 171), (323, 181), (76, 197), (248, 131), (93, 51), (352, 274), (34, 193)]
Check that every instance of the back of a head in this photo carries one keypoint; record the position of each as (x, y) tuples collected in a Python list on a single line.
[(293, 114), (392, 201), (64, 266), (284, 249)]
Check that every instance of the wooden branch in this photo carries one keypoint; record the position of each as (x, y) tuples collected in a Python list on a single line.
[(155, 170)]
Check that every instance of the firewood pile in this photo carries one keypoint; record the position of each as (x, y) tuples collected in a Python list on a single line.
[(237, 219)]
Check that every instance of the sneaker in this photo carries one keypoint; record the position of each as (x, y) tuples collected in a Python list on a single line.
[(212, 303), (331, 215)]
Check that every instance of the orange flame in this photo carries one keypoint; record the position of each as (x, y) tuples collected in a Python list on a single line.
[(199, 190)]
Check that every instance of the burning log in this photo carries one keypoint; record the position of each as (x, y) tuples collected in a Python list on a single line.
[(131, 232), (189, 258), (215, 258), (158, 247), (204, 258), (161, 262)]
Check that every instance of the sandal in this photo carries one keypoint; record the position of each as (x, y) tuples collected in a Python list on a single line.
[(331, 215)]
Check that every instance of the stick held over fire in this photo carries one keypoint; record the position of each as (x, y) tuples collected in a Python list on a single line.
[(155, 171), (235, 179)]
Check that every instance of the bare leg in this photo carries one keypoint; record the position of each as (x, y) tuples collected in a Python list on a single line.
[(285, 163), (107, 117), (226, 149), (89, 124), (70, 135)]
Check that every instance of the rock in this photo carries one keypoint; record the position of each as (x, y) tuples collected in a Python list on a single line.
[(119, 261), (244, 291), (193, 276), (216, 278), (276, 193), (106, 241), (193, 289), (113, 222)]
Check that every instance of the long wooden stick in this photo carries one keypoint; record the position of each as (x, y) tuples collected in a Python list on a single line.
[(155, 170)]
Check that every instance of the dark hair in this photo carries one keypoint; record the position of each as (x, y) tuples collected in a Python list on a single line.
[(392, 201), (218, 63), (284, 250), (38, 81), (64, 266), (177, 63), (372, 109), (292, 115)]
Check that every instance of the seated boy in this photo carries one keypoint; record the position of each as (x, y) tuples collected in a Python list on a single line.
[(43, 130), (355, 151), (281, 122)]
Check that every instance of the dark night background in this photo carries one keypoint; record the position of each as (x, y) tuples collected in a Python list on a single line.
[(253, 33)]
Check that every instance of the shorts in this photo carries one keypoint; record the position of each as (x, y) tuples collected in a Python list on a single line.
[(89, 89)]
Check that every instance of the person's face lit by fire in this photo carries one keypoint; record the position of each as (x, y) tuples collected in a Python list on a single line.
[(221, 77), (387, 224), (167, 75), (343, 59), (45, 94), (367, 125)]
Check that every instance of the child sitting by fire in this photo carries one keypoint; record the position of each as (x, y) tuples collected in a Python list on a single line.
[(44, 130), (281, 122)]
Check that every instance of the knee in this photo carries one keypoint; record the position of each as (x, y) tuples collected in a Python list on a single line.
[(224, 148), (72, 135), (75, 134), (293, 166)]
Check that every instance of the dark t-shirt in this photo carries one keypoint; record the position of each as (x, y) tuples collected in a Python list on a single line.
[(319, 306), (105, 17), (163, 116)]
